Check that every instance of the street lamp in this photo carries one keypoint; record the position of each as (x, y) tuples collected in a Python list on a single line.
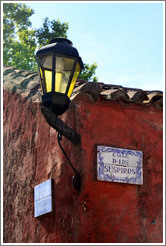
[(59, 66)]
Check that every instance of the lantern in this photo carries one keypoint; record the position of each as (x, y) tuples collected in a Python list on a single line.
[(59, 67)]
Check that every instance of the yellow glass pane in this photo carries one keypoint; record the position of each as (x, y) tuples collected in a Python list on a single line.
[(41, 80), (75, 77), (48, 80), (41, 74), (61, 82), (58, 78), (63, 70)]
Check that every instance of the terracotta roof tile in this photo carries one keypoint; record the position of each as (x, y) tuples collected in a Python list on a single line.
[(27, 84), (139, 96)]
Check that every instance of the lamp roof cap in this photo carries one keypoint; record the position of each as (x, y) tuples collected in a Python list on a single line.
[(65, 41)]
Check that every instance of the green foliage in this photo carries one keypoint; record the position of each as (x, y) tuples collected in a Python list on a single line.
[(50, 30), (15, 16), (88, 72), (20, 40)]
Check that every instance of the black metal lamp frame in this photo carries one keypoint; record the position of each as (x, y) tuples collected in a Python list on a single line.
[(58, 102)]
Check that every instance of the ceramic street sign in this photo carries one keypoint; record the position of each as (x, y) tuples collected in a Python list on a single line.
[(43, 198), (119, 165), (43, 206)]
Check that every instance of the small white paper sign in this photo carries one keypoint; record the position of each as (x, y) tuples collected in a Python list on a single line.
[(119, 165), (43, 198)]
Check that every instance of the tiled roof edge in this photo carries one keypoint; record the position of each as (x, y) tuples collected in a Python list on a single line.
[(27, 84)]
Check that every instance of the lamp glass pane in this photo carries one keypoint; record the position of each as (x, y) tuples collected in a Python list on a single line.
[(62, 73), (46, 73), (47, 62), (75, 77), (41, 79), (48, 80)]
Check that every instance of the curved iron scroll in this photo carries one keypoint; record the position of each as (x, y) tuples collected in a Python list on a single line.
[(77, 177)]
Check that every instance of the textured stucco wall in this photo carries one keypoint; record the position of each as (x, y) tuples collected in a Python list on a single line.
[(101, 212)]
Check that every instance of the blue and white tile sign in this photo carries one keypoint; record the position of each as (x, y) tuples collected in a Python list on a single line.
[(43, 198), (119, 165)]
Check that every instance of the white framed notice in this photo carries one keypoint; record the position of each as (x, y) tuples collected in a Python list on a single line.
[(43, 198)]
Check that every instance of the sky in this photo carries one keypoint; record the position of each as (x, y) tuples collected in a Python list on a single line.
[(125, 39)]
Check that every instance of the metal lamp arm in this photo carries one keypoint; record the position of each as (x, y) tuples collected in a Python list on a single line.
[(60, 126), (67, 132), (59, 138), (77, 177)]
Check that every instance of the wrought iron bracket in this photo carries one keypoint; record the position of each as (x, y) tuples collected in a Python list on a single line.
[(67, 132), (77, 177), (60, 126)]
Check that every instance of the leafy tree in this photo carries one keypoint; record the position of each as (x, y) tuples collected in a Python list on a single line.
[(20, 40), (15, 16), (51, 29), (88, 72)]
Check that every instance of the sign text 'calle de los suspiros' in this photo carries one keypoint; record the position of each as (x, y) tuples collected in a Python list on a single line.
[(119, 165)]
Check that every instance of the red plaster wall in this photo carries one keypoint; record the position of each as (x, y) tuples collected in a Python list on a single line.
[(102, 212)]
